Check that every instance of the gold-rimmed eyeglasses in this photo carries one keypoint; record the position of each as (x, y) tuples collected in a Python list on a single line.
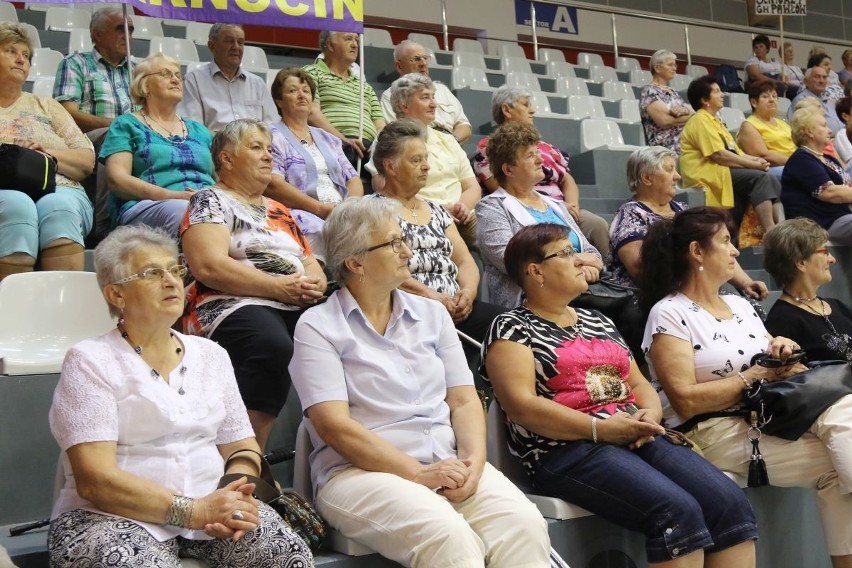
[(156, 274), (567, 252), (166, 74)]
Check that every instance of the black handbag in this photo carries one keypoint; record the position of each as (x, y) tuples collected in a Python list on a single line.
[(787, 408), (605, 295), (293, 508), (27, 171)]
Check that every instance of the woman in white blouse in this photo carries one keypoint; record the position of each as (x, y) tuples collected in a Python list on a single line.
[(146, 418)]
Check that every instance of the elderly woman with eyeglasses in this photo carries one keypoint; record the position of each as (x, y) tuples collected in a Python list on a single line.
[(586, 423), (513, 104), (155, 159), (146, 418), (397, 427), (253, 270), (664, 112)]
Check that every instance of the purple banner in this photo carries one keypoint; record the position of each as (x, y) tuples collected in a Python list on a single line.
[(335, 15)]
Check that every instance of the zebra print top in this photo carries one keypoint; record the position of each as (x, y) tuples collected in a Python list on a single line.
[(585, 367)]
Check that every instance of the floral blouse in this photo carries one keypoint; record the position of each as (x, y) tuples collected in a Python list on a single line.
[(655, 135)]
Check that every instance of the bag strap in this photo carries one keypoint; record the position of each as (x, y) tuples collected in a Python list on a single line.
[(697, 419), (265, 488)]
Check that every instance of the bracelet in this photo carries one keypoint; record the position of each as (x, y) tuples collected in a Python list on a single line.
[(595, 429), (745, 380), (180, 511)]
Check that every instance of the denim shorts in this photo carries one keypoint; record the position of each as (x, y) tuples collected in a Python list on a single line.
[(676, 498)]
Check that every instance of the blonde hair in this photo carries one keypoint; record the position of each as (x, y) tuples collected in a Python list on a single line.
[(803, 119), (12, 32), (139, 84)]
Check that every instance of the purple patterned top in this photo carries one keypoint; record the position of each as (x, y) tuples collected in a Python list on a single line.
[(655, 135)]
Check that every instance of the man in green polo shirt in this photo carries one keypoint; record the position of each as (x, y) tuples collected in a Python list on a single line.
[(336, 108)]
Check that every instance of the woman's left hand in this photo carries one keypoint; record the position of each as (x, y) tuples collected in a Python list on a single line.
[(756, 289), (591, 273), (782, 347), (459, 494), (459, 212), (215, 513), (461, 306)]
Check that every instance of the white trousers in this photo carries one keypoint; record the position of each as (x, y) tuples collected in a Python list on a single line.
[(404, 521), (805, 462)]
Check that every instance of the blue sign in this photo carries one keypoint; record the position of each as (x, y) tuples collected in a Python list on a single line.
[(553, 18)]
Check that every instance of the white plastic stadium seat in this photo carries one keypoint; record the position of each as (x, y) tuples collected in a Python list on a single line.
[(630, 111), (541, 104), (696, 71), (618, 90), (377, 37), (508, 64), (680, 82), (183, 50), (582, 106), (43, 87), (468, 59), (732, 117), (568, 86), (45, 62), (254, 59), (497, 450), (627, 64), (783, 104), (66, 19), (146, 27), (80, 39), (640, 78), (548, 54), (520, 79), (598, 132), (739, 101), (560, 69), (470, 45), (602, 74), (8, 13), (589, 59), (45, 6), (470, 77), (426, 40), (45, 313), (509, 49), (198, 32), (303, 486), (32, 32)]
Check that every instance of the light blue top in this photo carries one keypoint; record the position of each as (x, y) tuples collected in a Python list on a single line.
[(176, 164), (395, 384), (831, 119), (550, 216)]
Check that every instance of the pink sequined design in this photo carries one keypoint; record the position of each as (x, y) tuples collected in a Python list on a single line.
[(592, 375)]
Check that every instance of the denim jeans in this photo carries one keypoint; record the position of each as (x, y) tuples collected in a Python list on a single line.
[(676, 498)]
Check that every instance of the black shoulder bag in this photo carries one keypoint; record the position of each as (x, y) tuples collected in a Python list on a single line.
[(27, 171)]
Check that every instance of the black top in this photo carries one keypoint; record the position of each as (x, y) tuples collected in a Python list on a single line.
[(811, 331)]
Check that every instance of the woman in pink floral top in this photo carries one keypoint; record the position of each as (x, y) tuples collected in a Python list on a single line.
[(512, 104)]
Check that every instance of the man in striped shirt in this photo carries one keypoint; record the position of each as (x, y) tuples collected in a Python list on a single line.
[(336, 108), (94, 86)]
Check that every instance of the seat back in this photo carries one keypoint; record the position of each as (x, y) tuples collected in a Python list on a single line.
[(740, 101), (627, 64), (8, 13), (43, 87), (522, 79), (696, 71), (630, 110), (32, 32), (45, 63), (469, 45), (198, 32), (560, 69), (471, 77), (568, 86), (548, 54), (589, 59), (680, 82), (509, 49), (80, 39), (540, 102), (618, 90), (377, 37), (783, 106), (254, 59), (45, 314), (509, 63), (428, 41), (66, 19), (640, 78), (602, 74), (597, 132), (468, 59), (183, 50), (146, 27), (582, 106), (732, 117)]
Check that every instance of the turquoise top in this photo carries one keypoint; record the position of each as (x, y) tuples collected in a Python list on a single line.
[(550, 216), (174, 163)]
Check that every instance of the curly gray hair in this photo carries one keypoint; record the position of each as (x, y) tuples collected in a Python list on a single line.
[(506, 95), (403, 88)]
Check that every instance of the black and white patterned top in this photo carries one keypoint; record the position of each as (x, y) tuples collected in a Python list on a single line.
[(585, 367)]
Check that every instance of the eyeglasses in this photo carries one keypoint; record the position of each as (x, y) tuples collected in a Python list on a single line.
[(156, 274), (120, 29), (166, 74), (420, 59), (567, 252), (395, 244), (823, 250)]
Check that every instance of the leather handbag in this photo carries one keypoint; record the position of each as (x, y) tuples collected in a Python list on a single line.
[(605, 295), (293, 508), (27, 171), (787, 408)]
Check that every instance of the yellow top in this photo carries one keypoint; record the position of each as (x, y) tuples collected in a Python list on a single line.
[(778, 138), (704, 135)]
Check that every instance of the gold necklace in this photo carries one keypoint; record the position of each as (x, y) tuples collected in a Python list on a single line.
[(172, 136)]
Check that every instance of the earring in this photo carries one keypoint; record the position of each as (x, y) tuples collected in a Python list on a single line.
[(542, 283), (700, 268), (361, 278)]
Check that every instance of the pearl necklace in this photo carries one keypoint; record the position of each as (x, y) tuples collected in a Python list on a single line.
[(801, 300), (138, 349)]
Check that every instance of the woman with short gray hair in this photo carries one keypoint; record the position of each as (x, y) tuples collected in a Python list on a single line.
[(254, 271), (392, 413), (514, 104), (663, 110), (450, 180)]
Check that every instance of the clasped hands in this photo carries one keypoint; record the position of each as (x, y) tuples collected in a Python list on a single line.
[(633, 431), (229, 512), (300, 290), (455, 479)]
